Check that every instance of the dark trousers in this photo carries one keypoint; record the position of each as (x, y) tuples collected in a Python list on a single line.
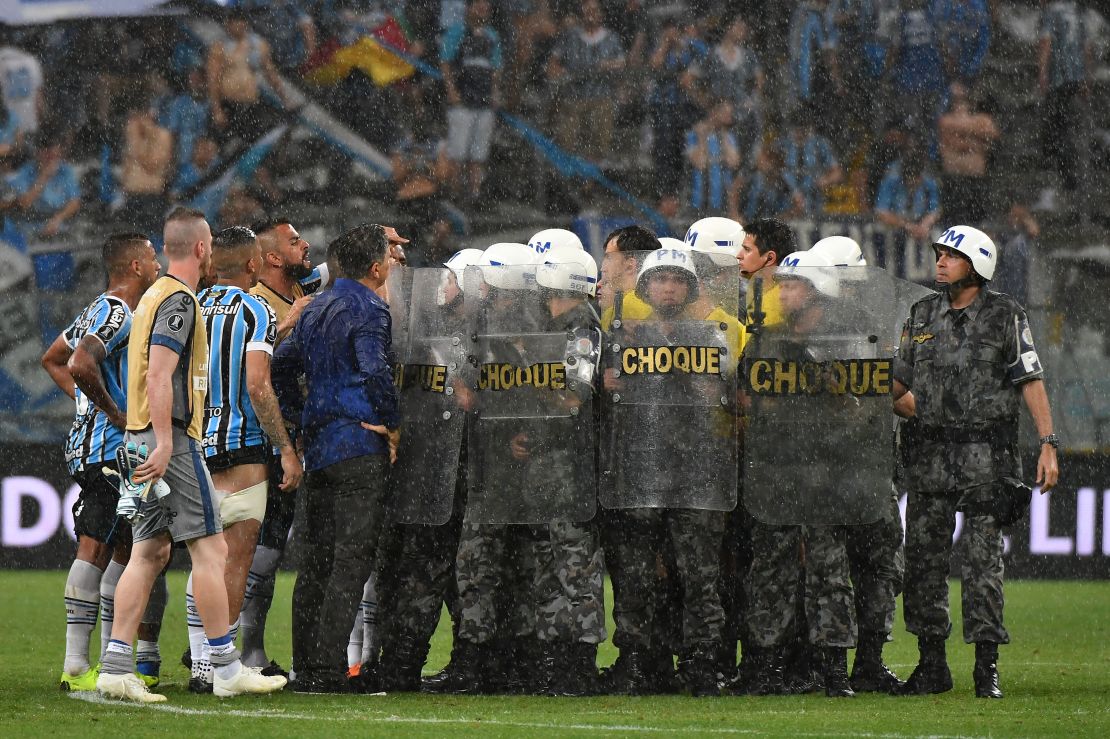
[(1060, 133), (344, 508)]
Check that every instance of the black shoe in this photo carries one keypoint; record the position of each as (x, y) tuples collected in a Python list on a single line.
[(929, 677), (273, 670), (400, 664), (319, 683), (760, 673), (187, 659), (465, 673), (200, 686), (985, 673), (870, 676), (662, 677), (576, 670), (698, 673), (835, 671), (627, 676)]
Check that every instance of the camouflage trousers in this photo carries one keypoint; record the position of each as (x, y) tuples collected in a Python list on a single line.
[(494, 580), (930, 523), (633, 558), (776, 568), (877, 560), (543, 581), (569, 583)]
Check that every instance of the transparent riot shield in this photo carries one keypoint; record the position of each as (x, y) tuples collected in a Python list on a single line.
[(817, 390), (532, 438), (668, 429), (431, 379)]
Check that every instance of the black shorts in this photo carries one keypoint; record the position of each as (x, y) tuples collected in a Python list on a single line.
[(235, 457), (281, 505), (94, 511)]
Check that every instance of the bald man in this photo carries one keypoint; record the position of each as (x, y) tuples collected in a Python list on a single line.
[(167, 383)]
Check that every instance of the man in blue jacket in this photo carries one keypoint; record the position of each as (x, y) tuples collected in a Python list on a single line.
[(341, 348)]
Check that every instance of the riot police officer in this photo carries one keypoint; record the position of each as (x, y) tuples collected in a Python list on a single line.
[(967, 356)]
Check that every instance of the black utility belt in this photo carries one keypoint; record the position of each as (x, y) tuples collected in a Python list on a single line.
[(995, 435)]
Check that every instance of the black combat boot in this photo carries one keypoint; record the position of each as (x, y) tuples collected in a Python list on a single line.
[(869, 674), (428, 684), (931, 674), (573, 670), (467, 676), (761, 673), (834, 668), (400, 665), (698, 672), (986, 670), (628, 675), (661, 672)]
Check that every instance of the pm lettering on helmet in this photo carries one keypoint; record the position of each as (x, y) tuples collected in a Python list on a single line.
[(858, 377), (693, 360), (953, 237), (540, 247)]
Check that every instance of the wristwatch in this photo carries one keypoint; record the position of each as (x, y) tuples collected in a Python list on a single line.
[(1052, 439)]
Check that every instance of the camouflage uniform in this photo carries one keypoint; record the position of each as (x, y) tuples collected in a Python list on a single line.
[(773, 579), (696, 536), (569, 586), (964, 369), (877, 562), (492, 562)]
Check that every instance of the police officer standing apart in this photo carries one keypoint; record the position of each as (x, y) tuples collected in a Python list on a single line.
[(967, 355)]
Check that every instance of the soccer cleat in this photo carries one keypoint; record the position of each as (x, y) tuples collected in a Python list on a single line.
[(200, 685), (86, 681), (148, 673), (126, 687), (247, 680), (353, 671), (274, 670)]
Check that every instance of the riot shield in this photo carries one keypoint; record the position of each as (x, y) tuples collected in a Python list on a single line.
[(430, 375), (817, 388), (532, 438), (668, 428)]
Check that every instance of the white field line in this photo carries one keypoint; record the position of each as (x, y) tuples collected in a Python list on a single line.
[(359, 717)]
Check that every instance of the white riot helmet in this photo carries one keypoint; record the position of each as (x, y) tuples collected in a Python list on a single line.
[(567, 269), (973, 244), (841, 251), (668, 260), (517, 258), (554, 238), (671, 243), (462, 259), (813, 268), (720, 238)]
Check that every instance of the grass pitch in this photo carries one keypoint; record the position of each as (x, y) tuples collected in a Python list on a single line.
[(1056, 676)]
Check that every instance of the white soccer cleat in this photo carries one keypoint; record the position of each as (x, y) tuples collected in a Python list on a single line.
[(126, 688), (247, 680)]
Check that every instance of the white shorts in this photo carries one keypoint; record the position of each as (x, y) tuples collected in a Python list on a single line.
[(468, 134)]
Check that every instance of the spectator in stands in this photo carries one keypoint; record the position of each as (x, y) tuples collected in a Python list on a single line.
[(190, 173), (714, 156), (769, 194), (809, 160), (586, 64), (733, 73), (965, 33), (1015, 243), (187, 117), (420, 168), (240, 207), (674, 104), (915, 65), (146, 164), (1064, 59), (234, 89), (45, 189), (890, 144), (471, 64), (966, 137), (288, 27), (21, 82), (909, 199), (11, 138), (814, 68)]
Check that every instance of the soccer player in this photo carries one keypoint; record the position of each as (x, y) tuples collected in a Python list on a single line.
[(242, 419), (286, 282), (167, 382), (88, 361)]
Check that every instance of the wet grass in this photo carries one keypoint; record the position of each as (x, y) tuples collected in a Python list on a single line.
[(1056, 676)]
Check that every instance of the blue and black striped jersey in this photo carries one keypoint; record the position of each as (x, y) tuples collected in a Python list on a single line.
[(93, 439), (237, 323)]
